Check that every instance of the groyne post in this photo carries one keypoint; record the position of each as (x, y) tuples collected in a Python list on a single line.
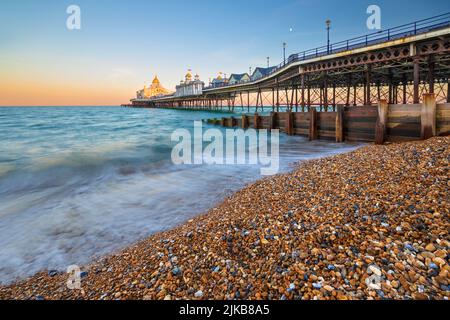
[(257, 119), (233, 122), (273, 120), (380, 127), (244, 122), (340, 124), (428, 116), (313, 124), (290, 123)]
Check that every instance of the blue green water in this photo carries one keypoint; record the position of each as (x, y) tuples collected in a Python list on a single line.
[(77, 183)]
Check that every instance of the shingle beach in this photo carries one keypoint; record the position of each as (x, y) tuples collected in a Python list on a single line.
[(370, 224)]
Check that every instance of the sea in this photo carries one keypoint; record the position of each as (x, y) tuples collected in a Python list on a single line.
[(79, 183)]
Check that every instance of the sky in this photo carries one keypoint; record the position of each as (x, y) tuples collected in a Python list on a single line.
[(123, 44)]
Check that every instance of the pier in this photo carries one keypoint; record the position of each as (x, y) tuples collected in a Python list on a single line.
[(393, 84)]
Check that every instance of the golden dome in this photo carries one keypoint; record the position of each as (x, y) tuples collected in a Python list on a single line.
[(188, 75), (156, 80)]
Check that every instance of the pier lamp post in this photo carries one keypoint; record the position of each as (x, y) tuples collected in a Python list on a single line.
[(328, 22), (284, 52), (268, 62)]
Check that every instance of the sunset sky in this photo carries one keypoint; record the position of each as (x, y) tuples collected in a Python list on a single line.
[(123, 44)]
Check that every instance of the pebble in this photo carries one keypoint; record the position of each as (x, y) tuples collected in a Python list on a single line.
[(317, 285)]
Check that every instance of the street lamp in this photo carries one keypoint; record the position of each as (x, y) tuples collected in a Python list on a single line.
[(328, 22), (268, 62), (284, 52)]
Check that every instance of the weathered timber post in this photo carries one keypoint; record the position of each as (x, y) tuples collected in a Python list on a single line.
[(313, 124), (244, 122), (223, 122), (380, 127), (290, 124), (273, 120), (340, 124), (233, 122), (256, 121), (428, 116)]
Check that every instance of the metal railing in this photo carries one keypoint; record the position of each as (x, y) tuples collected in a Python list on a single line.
[(407, 30)]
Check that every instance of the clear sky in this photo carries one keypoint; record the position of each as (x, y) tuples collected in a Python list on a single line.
[(123, 44)]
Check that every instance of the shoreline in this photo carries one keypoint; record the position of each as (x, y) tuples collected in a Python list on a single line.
[(317, 232)]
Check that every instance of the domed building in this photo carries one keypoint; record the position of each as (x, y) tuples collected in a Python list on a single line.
[(189, 86), (154, 90)]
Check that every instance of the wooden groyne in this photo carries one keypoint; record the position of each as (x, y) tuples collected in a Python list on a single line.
[(381, 123)]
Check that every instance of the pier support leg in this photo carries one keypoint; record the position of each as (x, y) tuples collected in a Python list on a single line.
[(349, 85), (340, 124), (303, 92), (368, 81), (428, 116), (313, 124), (431, 74), (380, 127), (448, 91), (416, 80), (405, 96)]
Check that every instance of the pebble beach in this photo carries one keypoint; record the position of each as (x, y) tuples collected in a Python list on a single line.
[(369, 224)]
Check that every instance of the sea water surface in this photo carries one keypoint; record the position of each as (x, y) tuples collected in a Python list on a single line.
[(77, 183)]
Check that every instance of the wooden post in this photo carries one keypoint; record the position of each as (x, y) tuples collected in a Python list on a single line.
[(223, 122), (380, 127), (244, 122), (340, 124), (313, 124), (256, 121), (428, 116), (290, 124), (233, 122), (273, 120)]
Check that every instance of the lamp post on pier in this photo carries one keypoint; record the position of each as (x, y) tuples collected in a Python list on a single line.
[(268, 62), (328, 22), (284, 52)]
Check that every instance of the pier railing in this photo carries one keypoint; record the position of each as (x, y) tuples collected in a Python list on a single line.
[(407, 30)]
